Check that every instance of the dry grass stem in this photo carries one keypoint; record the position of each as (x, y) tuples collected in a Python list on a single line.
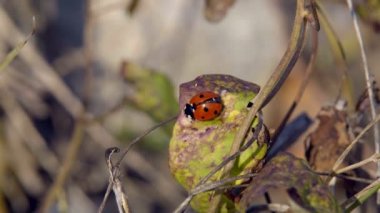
[(117, 187), (304, 83), (126, 151), (24, 127), (270, 88), (208, 187), (352, 144), (64, 171), (345, 87), (88, 53), (12, 55), (374, 158), (368, 83)]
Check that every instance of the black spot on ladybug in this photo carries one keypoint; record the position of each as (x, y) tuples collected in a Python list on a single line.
[(205, 109), (203, 117), (249, 105), (201, 96), (215, 112)]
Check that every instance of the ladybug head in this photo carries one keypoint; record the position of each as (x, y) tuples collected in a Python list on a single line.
[(189, 111)]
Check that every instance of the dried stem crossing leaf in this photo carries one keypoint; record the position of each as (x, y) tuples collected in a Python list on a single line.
[(287, 171)]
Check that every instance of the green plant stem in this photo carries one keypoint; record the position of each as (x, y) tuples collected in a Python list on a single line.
[(359, 198), (270, 89), (345, 84), (64, 170), (304, 83), (15, 51)]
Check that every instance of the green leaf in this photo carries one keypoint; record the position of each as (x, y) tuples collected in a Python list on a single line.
[(153, 91), (197, 147)]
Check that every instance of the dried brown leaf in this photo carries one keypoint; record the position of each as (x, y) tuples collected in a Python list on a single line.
[(287, 171)]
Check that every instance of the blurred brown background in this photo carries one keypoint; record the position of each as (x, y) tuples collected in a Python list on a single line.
[(73, 64)]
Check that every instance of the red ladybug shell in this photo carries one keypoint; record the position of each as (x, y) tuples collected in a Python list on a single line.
[(204, 106), (207, 111), (203, 97)]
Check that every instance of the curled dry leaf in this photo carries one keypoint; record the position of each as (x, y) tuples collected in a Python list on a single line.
[(287, 171), (329, 140)]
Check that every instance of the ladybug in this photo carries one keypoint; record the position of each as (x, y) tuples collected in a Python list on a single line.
[(204, 106)]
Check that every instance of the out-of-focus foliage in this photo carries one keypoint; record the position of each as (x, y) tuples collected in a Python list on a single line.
[(369, 11), (41, 90), (153, 92)]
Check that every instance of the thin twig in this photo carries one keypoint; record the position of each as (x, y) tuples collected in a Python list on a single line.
[(117, 187), (368, 82), (270, 89), (40, 69), (64, 170), (349, 148), (88, 52), (272, 207), (137, 139), (126, 150), (346, 177), (15, 51), (108, 192), (213, 185), (118, 106), (373, 158), (336, 46), (208, 187), (23, 125), (302, 88), (108, 155), (158, 179)]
